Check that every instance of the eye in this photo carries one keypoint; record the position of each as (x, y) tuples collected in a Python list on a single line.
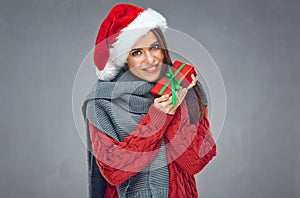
[(155, 46), (136, 53)]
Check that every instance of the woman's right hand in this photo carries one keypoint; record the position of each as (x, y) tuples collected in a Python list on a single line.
[(164, 103)]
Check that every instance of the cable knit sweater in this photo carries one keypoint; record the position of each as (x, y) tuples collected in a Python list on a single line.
[(189, 148)]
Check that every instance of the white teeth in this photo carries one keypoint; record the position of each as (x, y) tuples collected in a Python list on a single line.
[(151, 69)]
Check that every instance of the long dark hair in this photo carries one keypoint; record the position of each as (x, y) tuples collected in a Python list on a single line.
[(192, 92)]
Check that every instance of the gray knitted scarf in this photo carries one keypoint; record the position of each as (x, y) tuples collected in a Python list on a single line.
[(116, 107)]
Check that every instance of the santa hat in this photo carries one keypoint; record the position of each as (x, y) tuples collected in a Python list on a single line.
[(119, 31)]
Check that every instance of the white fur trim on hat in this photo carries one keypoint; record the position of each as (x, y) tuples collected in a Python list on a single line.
[(109, 72)]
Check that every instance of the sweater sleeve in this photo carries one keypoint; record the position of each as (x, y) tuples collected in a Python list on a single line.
[(190, 146), (118, 161)]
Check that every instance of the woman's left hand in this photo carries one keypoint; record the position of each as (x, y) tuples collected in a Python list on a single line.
[(193, 82)]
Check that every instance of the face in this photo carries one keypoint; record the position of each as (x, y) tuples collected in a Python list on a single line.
[(146, 57)]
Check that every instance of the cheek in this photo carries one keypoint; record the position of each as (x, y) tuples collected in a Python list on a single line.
[(159, 54), (133, 62)]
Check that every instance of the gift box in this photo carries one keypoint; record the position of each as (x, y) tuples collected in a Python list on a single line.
[(178, 75)]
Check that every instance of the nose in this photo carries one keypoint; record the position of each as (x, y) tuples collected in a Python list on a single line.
[(149, 57)]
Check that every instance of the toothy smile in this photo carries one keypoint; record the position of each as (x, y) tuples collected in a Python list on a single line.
[(151, 69)]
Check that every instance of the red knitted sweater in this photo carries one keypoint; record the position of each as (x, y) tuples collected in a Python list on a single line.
[(189, 148)]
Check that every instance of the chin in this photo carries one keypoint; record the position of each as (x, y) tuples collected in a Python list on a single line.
[(151, 79)]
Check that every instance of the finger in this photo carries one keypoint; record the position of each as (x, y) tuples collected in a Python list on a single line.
[(194, 81), (181, 94), (172, 110), (178, 96), (170, 101), (167, 104), (162, 98)]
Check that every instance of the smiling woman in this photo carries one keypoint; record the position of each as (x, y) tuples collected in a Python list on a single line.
[(146, 58), (141, 146)]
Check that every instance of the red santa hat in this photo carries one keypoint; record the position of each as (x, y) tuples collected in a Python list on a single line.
[(119, 31)]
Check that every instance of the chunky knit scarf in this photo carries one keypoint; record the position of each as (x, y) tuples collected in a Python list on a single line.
[(115, 107)]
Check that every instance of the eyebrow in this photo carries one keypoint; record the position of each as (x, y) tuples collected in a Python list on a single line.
[(156, 42)]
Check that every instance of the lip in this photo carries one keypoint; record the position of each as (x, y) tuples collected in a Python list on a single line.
[(152, 69)]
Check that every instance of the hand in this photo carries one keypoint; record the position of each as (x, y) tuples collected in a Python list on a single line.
[(193, 83), (164, 103)]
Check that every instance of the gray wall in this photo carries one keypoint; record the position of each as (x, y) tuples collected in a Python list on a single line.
[(255, 43)]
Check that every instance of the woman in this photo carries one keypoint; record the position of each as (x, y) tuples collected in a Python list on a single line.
[(140, 146)]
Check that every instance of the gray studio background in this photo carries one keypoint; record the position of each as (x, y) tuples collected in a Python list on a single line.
[(255, 43)]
